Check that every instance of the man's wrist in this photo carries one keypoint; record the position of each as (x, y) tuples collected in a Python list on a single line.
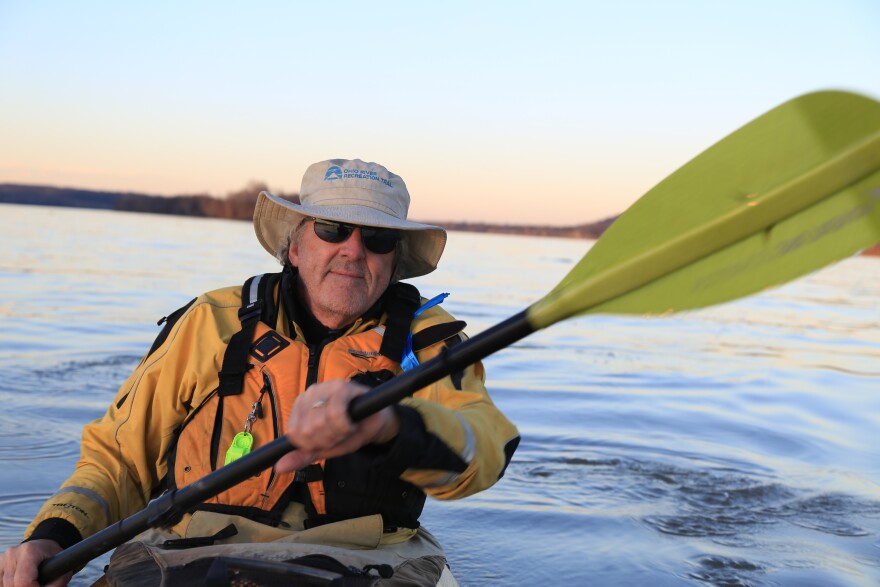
[(390, 430), (58, 530)]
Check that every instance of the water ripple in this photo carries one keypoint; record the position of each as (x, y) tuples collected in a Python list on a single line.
[(722, 571), (725, 510), (37, 445), (686, 502), (104, 369), (16, 510)]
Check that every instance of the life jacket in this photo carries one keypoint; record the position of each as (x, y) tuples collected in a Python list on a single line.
[(262, 373)]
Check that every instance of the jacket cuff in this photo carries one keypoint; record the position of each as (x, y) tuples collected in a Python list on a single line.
[(57, 529), (415, 447)]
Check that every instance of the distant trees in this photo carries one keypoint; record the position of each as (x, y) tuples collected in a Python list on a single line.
[(237, 205), (240, 204)]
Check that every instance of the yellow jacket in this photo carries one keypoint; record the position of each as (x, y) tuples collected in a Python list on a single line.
[(124, 454)]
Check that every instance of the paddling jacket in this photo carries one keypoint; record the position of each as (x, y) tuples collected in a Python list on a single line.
[(175, 417)]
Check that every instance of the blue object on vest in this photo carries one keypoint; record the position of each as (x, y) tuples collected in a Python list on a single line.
[(409, 360)]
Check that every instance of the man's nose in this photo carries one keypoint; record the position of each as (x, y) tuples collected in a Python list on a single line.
[(353, 246)]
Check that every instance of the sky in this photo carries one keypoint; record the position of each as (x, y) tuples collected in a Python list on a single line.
[(548, 112)]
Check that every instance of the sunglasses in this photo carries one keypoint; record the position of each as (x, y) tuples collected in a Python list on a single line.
[(377, 240)]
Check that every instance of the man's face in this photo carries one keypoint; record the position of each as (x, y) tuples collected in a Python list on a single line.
[(339, 282)]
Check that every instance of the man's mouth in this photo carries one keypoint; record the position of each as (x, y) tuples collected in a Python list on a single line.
[(350, 272)]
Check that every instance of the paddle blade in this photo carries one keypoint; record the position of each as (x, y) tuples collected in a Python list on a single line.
[(829, 231), (794, 190)]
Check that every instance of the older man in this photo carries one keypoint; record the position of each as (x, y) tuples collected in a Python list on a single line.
[(286, 353)]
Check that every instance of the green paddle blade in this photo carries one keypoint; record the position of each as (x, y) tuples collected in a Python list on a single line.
[(792, 191)]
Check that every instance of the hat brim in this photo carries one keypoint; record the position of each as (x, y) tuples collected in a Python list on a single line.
[(274, 218)]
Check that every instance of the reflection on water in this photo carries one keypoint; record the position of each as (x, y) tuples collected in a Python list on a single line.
[(731, 446)]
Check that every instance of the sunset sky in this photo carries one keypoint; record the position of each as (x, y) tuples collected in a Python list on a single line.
[(526, 112)]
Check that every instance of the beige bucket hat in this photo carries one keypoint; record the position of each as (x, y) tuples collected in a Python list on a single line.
[(355, 192)]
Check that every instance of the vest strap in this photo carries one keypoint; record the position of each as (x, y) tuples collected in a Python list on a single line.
[(181, 543), (402, 310), (255, 304)]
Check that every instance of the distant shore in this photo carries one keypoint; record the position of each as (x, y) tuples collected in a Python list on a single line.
[(239, 205)]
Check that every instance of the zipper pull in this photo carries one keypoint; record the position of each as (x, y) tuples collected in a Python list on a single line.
[(256, 413)]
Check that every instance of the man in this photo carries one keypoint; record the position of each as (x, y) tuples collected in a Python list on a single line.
[(286, 353)]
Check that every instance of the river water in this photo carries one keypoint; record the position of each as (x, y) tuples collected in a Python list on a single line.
[(735, 445)]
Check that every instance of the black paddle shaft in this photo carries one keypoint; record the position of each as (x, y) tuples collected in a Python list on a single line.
[(163, 510), (448, 361), (167, 508)]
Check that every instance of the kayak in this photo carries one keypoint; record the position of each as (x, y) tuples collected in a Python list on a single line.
[(217, 550), (135, 564)]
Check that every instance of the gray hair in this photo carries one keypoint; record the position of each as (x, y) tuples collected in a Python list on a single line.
[(295, 236)]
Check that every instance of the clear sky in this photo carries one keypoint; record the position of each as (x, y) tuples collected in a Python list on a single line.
[(528, 112)]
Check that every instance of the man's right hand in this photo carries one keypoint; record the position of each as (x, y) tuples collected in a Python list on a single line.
[(20, 564), (320, 428)]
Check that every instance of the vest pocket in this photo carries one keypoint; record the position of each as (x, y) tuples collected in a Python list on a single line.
[(206, 437)]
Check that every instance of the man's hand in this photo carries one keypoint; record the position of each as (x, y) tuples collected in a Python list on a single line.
[(319, 426), (19, 565)]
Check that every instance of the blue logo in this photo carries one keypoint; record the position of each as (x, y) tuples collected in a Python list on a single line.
[(335, 172)]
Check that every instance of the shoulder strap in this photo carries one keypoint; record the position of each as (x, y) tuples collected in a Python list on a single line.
[(169, 321), (404, 300), (256, 303), (269, 314)]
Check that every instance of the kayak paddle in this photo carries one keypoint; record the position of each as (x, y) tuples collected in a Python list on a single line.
[(790, 192)]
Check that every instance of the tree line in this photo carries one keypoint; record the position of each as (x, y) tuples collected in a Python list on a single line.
[(237, 205)]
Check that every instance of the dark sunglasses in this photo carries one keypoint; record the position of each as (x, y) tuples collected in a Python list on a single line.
[(377, 240)]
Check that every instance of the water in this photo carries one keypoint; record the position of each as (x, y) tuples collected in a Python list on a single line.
[(731, 446)]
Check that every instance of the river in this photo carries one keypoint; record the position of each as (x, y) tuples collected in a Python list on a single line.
[(731, 446)]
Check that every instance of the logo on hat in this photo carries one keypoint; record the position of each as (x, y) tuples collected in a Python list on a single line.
[(335, 172)]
